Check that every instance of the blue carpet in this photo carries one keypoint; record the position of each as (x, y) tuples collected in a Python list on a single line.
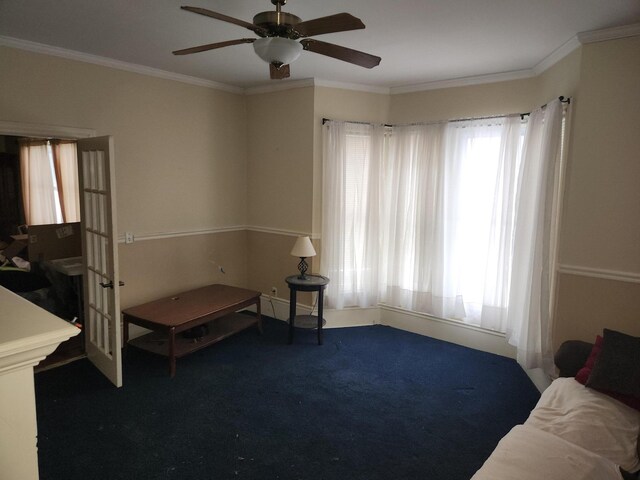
[(371, 403)]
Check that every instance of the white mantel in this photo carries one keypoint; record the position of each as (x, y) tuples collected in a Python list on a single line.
[(27, 335)]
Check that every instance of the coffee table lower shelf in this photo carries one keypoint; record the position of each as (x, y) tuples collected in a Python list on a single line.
[(219, 329)]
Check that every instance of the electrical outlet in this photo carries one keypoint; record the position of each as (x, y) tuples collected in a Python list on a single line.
[(274, 292), (128, 237)]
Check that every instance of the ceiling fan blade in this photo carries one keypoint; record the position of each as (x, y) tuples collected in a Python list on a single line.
[(279, 73), (341, 53), (225, 18), (340, 22), (212, 46)]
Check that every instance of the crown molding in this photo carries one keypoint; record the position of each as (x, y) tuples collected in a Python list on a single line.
[(280, 86), (558, 54), (314, 82), (352, 86), (111, 63), (613, 33), (464, 81)]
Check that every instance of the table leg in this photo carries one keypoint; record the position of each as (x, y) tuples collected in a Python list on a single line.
[(292, 313), (172, 352), (125, 331), (259, 315), (320, 304)]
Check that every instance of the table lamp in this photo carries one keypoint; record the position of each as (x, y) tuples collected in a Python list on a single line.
[(303, 249)]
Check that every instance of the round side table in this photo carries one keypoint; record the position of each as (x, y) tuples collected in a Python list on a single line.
[(311, 283)]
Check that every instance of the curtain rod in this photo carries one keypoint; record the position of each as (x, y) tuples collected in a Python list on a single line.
[(562, 99)]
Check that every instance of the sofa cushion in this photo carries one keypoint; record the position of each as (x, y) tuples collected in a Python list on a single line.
[(527, 453), (571, 356), (589, 419), (617, 368), (584, 373)]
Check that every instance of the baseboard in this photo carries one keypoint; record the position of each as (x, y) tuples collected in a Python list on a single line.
[(278, 308), (447, 330)]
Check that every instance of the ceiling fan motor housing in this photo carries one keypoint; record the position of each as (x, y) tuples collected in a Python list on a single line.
[(277, 24)]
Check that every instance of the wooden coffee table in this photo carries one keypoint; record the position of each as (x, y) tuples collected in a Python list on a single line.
[(213, 305)]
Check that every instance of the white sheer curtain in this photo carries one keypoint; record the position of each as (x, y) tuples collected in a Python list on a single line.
[(412, 192), (350, 243), (456, 220), (65, 158), (535, 240), (449, 193), (38, 183)]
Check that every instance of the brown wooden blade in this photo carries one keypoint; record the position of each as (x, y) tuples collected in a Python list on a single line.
[(340, 22), (225, 18), (279, 73), (212, 46), (341, 53)]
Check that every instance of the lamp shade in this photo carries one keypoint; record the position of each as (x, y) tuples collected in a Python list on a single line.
[(303, 248), (277, 49)]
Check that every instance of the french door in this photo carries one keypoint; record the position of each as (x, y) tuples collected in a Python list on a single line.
[(100, 252)]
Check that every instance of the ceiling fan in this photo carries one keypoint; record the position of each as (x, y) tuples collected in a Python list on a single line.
[(279, 33)]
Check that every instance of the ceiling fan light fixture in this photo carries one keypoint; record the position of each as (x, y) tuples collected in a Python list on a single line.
[(277, 50)]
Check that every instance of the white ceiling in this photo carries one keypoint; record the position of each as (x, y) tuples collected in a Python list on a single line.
[(420, 41)]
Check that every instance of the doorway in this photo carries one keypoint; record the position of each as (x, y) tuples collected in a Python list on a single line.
[(35, 242), (99, 287)]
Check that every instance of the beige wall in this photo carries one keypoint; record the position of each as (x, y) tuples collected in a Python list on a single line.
[(601, 227), (280, 160), (180, 156), (563, 78), (191, 158), (279, 182), (269, 263), (587, 304), (199, 257), (514, 96), (182, 146)]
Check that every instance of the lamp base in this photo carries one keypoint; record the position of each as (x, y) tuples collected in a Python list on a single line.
[(302, 267)]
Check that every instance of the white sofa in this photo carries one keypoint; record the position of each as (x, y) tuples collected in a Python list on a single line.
[(574, 432)]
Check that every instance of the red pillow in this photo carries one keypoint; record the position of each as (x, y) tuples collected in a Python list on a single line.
[(583, 375)]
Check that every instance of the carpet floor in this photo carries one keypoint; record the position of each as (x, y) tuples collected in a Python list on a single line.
[(371, 403)]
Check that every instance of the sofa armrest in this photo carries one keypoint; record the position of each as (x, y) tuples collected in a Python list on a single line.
[(571, 357)]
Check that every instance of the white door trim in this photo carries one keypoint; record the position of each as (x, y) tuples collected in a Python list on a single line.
[(20, 129)]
